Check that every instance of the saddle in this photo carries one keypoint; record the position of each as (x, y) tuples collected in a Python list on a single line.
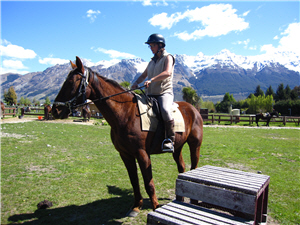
[(151, 116)]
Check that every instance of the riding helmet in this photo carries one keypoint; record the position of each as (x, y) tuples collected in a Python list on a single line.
[(156, 38)]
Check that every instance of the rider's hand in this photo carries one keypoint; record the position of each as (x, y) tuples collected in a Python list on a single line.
[(147, 83)]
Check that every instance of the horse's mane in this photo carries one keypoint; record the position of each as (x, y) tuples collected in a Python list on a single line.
[(112, 82)]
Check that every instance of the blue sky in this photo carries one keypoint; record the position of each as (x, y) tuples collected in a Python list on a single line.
[(38, 34)]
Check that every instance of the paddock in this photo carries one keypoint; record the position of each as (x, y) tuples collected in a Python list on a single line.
[(85, 180)]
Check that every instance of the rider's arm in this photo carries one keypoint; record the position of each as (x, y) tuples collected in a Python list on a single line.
[(165, 74), (140, 79)]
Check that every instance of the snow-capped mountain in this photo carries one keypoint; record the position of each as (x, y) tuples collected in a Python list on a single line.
[(208, 75), (228, 59)]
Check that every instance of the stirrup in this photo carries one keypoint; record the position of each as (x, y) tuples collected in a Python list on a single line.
[(171, 149)]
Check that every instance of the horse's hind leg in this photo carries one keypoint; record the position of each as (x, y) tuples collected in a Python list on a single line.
[(130, 164)]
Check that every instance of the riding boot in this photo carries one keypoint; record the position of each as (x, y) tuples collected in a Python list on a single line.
[(168, 143)]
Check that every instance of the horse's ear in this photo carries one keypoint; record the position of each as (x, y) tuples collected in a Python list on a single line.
[(73, 65), (79, 64)]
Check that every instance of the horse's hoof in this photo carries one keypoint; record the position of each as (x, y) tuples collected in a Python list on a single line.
[(132, 213)]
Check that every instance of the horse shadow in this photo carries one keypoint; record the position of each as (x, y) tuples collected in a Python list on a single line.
[(105, 211)]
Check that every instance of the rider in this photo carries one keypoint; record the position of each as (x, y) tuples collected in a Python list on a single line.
[(159, 84)]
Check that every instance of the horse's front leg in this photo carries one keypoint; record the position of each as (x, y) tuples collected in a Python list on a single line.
[(146, 169), (130, 164)]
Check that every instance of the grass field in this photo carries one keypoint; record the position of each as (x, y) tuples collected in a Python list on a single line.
[(77, 168)]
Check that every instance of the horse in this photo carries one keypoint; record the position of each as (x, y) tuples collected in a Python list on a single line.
[(120, 109), (86, 113), (2, 109), (47, 110), (268, 117)]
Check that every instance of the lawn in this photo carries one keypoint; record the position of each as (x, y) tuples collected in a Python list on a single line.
[(77, 168)]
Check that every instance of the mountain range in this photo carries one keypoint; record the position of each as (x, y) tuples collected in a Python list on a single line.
[(210, 76)]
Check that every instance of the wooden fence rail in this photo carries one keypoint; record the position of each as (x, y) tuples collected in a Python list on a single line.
[(248, 119), (9, 111)]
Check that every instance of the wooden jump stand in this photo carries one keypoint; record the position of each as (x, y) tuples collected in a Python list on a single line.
[(243, 194)]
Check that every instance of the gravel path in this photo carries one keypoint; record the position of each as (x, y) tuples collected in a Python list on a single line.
[(91, 122)]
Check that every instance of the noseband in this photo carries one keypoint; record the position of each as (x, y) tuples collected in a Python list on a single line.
[(71, 104)]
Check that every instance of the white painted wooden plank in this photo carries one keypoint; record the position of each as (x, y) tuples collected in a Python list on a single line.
[(231, 173), (213, 168), (158, 217), (183, 218), (209, 215), (231, 200), (222, 183)]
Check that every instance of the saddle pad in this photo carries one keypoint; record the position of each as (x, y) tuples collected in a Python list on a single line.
[(149, 120)]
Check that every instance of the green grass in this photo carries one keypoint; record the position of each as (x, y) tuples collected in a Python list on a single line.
[(77, 168)]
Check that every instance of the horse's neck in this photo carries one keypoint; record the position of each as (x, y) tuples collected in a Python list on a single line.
[(113, 109)]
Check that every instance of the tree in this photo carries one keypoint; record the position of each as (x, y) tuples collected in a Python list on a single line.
[(190, 95), (10, 97), (228, 98), (270, 91), (258, 91), (125, 84), (295, 93), (27, 102), (260, 104), (22, 101), (288, 92), (227, 101), (47, 101), (280, 93)]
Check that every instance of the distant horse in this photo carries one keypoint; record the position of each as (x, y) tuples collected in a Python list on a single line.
[(86, 113), (2, 110), (120, 109), (47, 111), (268, 117)]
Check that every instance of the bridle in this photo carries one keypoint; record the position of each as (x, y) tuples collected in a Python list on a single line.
[(71, 104)]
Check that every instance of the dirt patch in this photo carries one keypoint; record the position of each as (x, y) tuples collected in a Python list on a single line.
[(30, 119), (18, 136)]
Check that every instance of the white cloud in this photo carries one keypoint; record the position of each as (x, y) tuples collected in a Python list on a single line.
[(157, 3), (115, 54), (92, 15), (15, 64), (12, 70), (53, 61), (14, 51), (246, 13), (164, 21), (288, 42), (147, 3), (215, 20)]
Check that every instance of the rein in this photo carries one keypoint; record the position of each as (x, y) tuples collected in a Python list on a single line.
[(71, 104)]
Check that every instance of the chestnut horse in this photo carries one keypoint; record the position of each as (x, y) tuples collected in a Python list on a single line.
[(120, 109), (2, 109), (47, 110), (268, 118), (86, 113)]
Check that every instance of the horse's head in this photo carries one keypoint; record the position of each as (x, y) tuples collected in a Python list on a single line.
[(72, 93)]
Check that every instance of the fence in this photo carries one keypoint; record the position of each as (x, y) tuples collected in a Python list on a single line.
[(247, 119), (9, 111), (36, 112)]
